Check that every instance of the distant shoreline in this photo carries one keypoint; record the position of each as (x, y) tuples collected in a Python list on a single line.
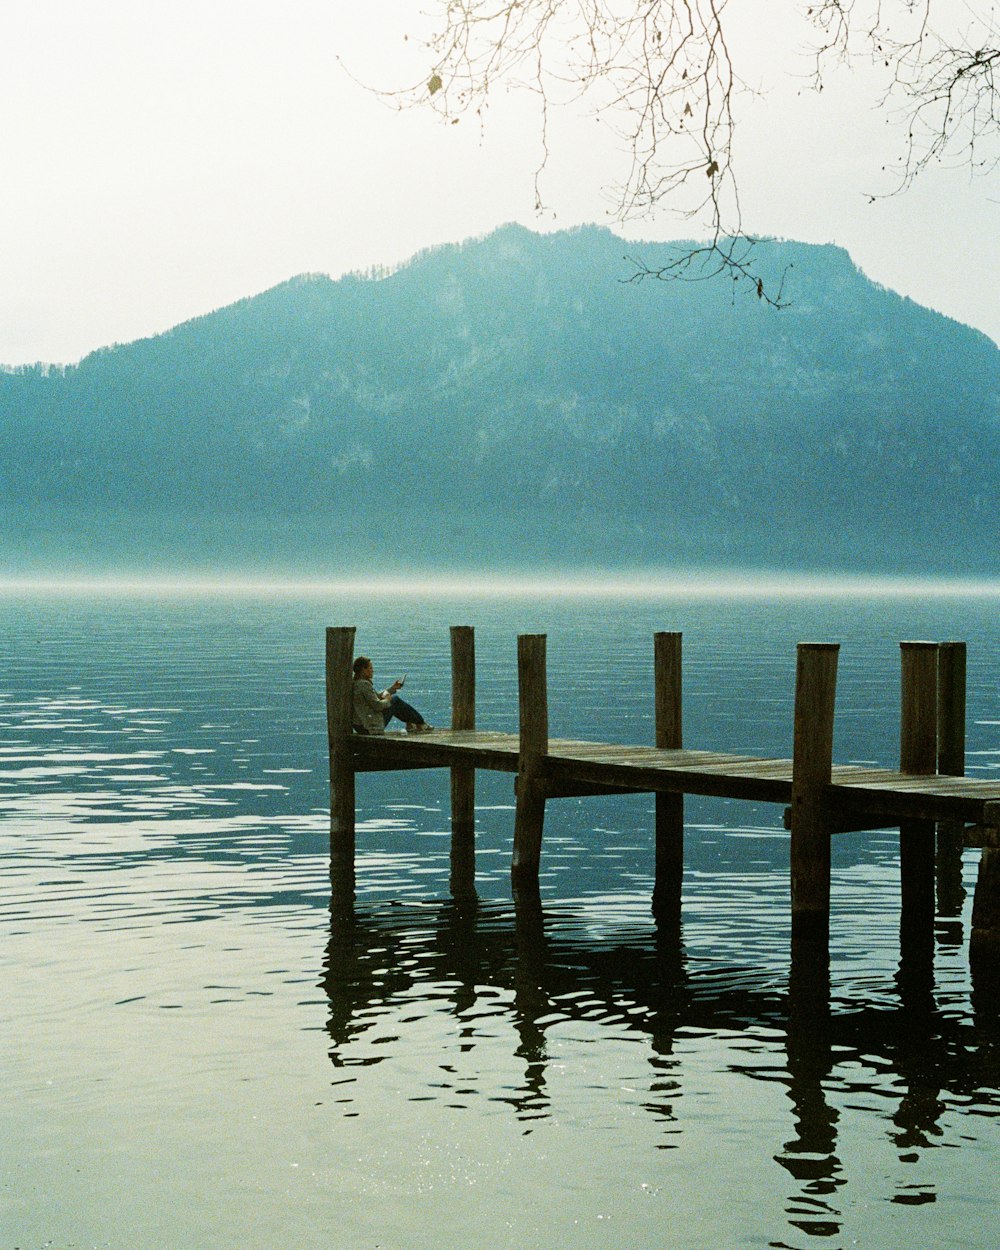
[(649, 584)]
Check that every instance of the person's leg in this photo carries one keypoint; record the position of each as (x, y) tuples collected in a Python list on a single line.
[(402, 711)]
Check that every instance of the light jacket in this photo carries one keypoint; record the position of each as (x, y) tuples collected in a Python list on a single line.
[(369, 706)]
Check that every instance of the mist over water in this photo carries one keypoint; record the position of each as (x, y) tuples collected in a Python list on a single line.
[(199, 1051)]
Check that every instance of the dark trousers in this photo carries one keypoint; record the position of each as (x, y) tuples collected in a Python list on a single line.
[(402, 711)]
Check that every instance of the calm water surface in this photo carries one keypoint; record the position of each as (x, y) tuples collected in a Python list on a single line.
[(198, 1051)]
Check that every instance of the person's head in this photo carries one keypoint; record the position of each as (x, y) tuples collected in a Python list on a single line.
[(363, 667)]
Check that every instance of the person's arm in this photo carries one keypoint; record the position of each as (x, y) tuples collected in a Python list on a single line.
[(376, 701)]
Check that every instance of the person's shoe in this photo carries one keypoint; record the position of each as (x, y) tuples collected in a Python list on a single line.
[(418, 727)]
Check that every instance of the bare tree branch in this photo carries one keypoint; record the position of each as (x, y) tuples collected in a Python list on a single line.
[(659, 72), (942, 80), (731, 257)]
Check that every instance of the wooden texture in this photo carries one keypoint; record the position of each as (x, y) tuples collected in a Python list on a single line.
[(669, 807), (463, 677), (463, 777), (339, 714), (533, 743), (918, 754), (951, 708), (812, 762), (853, 791), (984, 943), (951, 762), (822, 797)]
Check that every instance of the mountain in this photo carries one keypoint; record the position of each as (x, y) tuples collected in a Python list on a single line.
[(512, 402)]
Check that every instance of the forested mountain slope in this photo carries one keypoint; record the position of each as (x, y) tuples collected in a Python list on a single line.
[(512, 403)]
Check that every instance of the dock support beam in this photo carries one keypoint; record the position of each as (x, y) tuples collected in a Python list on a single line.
[(950, 763), (669, 870), (529, 817), (463, 780), (918, 747), (339, 714), (812, 764)]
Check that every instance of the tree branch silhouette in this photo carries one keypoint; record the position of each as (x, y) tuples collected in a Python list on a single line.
[(942, 76), (660, 73)]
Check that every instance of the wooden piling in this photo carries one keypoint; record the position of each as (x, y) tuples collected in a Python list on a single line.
[(950, 763), (822, 800), (533, 709), (669, 864), (918, 748), (812, 763), (984, 941), (339, 714), (463, 779)]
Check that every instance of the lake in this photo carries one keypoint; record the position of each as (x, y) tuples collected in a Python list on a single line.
[(199, 1051)]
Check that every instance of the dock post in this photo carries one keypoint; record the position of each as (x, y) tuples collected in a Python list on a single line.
[(984, 941), (918, 745), (533, 708), (669, 869), (951, 763), (339, 693), (463, 779), (812, 763)]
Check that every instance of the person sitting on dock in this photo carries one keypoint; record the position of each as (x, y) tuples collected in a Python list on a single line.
[(374, 710)]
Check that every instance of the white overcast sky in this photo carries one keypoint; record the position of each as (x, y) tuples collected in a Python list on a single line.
[(162, 158)]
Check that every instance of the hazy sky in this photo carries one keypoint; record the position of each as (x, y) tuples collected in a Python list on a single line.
[(161, 158)]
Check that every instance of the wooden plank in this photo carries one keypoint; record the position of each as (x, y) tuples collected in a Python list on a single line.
[(613, 754), (689, 759), (903, 784), (439, 749), (428, 757), (581, 789), (651, 758), (888, 780), (586, 750), (394, 765), (847, 774), (899, 805), (672, 780), (605, 754), (940, 787), (752, 768), (457, 738)]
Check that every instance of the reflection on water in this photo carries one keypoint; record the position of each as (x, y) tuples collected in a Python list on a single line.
[(190, 1022), (539, 979)]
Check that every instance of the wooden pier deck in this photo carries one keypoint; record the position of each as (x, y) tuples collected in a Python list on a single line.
[(939, 811), (880, 794), (602, 767)]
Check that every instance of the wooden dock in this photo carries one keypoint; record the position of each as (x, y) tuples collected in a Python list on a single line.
[(939, 811)]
